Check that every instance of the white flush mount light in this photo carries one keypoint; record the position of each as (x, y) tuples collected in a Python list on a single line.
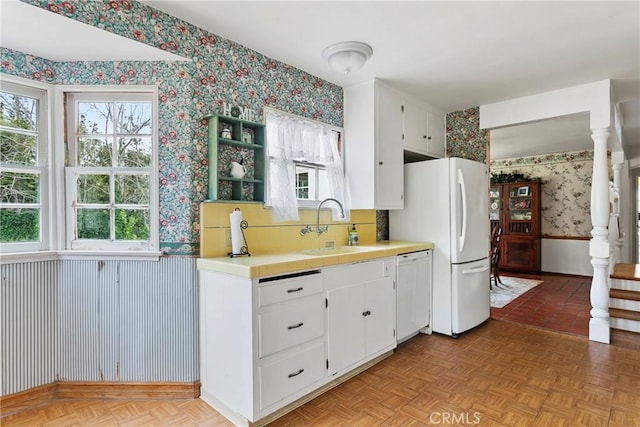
[(346, 57)]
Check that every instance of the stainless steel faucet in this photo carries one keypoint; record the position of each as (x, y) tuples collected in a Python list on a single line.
[(324, 229)]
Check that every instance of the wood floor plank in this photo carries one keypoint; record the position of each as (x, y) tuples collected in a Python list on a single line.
[(507, 373)]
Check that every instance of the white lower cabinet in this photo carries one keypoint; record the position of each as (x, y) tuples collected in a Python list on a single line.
[(266, 342), (262, 341), (284, 377), (360, 313), (290, 324)]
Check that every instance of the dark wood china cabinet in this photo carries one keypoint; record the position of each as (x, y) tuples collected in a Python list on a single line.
[(516, 208)]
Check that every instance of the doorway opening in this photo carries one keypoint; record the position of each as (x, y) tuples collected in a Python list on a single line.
[(636, 215)]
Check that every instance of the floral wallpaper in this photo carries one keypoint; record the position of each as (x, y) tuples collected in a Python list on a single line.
[(566, 189), (464, 137), (218, 71)]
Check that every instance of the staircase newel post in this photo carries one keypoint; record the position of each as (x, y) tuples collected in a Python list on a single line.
[(599, 328)]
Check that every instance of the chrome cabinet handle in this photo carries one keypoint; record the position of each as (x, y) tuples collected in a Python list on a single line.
[(295, 326), (290, 291), (295, 374)]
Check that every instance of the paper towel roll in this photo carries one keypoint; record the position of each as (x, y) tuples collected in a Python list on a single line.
[(235, 218)]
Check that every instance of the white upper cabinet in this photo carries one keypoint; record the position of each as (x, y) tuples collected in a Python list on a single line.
[(373, 145), (423, 130), (414, 126), (436, 131)]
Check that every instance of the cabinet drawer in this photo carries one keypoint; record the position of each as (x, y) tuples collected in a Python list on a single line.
[(288, 288), (358, 272), (287, 376), (290, 325)]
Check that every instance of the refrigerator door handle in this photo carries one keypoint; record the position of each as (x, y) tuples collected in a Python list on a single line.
[(476, 270), (463, 191)]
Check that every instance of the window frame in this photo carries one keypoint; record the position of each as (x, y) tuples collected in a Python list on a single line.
[(43, 93), (313, 190), (53, 209), (313, 167), (69, 94)]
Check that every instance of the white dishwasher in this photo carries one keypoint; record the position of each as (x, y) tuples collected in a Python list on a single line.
[(414, 278)]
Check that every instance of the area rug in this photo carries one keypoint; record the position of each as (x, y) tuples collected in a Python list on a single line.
[(510, 289)]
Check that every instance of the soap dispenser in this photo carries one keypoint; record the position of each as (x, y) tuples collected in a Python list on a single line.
[(353, 236)]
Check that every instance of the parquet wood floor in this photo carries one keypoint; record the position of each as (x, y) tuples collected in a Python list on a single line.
[(500, 374)]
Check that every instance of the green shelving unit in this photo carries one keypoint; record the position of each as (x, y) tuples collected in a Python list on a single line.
[(237, 128)]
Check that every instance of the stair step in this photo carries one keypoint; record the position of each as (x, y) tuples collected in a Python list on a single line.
[(624, 294), (619, 313), (626, 272)]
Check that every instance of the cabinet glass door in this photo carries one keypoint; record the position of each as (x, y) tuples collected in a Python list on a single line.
[(495, 203), (520, 209)]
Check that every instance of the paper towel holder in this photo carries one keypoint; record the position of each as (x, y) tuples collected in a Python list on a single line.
[(244, 250)]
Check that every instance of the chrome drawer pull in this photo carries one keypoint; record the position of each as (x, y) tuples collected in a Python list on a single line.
[(295, 326), (290, 291), (296, 373)]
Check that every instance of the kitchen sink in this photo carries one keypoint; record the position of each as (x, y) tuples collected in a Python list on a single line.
[(334, 251)]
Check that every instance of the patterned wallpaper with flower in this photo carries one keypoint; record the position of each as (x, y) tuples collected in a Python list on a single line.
[(566, 189), (218, 71), (464, 137)]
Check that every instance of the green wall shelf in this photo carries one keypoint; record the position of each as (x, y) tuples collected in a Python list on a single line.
[(243, 134)]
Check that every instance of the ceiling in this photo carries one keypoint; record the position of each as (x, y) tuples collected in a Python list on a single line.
[(59, 39), (454, 54)]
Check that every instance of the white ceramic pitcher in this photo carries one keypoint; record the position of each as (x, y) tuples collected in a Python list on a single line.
[(238, 170)]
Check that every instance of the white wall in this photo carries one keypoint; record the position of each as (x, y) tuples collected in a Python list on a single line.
[(566, 256)]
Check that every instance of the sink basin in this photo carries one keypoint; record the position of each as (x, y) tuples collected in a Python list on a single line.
[(334, 251)]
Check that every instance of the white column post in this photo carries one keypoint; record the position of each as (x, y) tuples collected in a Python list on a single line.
[(599, 329)]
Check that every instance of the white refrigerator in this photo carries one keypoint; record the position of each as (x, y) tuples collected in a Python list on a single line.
[(446, 202)]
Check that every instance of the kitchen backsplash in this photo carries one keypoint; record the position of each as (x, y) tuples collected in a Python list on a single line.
[(566, 189), (265, 236)]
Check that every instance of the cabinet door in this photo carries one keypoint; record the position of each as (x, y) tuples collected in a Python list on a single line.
[(380, 315), (389, 156), (345, 327), (520, 253), (522, 211), (435, 135), (414, 127)]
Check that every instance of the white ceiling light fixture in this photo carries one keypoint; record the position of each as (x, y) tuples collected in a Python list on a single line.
[(346, 57)]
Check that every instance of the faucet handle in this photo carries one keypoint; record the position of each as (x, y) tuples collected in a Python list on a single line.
[(305, 230), (322, 229)]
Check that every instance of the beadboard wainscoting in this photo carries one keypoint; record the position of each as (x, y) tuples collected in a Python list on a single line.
[(29, 325), (87, 320)]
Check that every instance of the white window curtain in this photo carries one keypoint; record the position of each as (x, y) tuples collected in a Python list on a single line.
[(292, 139)]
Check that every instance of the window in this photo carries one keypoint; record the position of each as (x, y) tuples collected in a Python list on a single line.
[(305, 164), (110, 178), (23, 168), (91, 187), (311, 182)]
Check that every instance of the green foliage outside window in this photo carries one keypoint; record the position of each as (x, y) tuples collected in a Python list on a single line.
[(19, 188), (19, 225), (109, 134)]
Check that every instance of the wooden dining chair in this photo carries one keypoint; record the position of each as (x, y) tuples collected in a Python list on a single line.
[(494, 256)]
